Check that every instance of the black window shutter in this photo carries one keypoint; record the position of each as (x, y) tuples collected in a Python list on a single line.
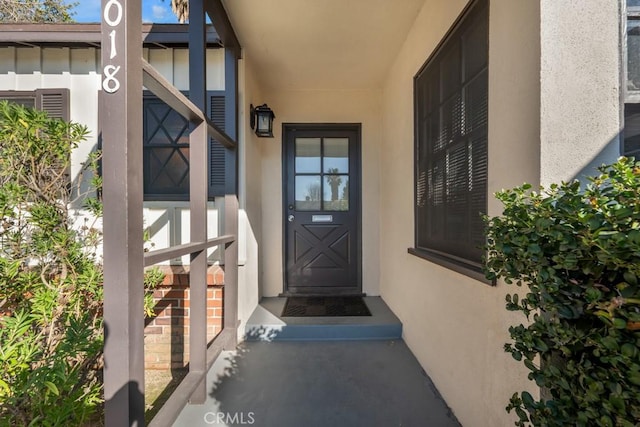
[(217, 151), (54, 101)]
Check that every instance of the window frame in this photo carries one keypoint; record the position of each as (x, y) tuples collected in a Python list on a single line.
[(434, 250), (213, 190), (39, 96)]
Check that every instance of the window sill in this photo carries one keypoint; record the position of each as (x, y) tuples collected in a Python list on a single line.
[(457, 265)]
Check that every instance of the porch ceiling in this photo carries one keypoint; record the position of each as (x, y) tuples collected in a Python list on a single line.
[(322, 44)]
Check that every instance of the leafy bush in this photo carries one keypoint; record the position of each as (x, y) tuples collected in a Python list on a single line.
[(50, 276), (50, 282), (578, 251)]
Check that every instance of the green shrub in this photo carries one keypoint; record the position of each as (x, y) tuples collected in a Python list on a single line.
[(50, 276), (50, 281), (577, 250)]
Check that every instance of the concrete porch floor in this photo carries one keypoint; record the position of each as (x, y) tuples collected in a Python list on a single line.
[(319, 383), (314, 384)]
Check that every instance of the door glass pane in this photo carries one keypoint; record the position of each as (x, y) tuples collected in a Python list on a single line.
[(308, 155), (633, 55), (336, 193), (308, 190), (336, 155)]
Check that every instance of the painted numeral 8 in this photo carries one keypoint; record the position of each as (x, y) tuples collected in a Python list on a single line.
[(110, 84)]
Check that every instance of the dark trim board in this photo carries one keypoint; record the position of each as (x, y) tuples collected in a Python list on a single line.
[(89, 35)]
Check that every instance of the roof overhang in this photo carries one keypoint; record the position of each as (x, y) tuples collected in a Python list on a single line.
[(322, 44)]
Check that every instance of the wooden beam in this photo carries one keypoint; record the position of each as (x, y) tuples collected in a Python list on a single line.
[(160, 87), (218, 15), (159, 255)]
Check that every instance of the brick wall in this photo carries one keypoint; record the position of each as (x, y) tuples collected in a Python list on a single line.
[(167, 334)]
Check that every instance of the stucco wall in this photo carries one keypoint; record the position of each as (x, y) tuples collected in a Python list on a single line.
[(321, 106), (457, 326), (580, 78), (250, 199)]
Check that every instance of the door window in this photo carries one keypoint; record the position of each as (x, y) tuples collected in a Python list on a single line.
[(322, 174)]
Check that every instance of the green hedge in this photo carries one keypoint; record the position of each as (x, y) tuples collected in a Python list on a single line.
[(576, 251)]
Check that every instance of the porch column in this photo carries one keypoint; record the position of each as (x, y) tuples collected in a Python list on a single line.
[(198, 196), (120, 117), (231, 194)]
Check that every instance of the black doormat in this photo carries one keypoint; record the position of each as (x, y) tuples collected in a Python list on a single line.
[(325, 307)]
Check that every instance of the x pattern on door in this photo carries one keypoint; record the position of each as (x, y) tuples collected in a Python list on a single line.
[(322, 246)]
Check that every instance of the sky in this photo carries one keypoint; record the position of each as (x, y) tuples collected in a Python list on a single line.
[(152, 11)]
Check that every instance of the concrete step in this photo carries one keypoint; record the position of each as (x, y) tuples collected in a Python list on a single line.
[(266, 324)]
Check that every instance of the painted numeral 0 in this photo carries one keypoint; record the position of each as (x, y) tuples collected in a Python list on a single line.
[(111, 84), (107, 13)]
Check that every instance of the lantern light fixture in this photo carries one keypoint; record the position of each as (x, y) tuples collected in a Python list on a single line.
[(261, 119)]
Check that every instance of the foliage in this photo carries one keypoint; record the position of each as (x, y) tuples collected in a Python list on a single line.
[(39, 11), (50, 282), (180, 8), (50, 275), (578, 251)]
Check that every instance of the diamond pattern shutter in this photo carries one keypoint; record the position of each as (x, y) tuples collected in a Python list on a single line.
[(166, 150)]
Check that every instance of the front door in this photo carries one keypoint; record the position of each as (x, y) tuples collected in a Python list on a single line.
[(322, 209)]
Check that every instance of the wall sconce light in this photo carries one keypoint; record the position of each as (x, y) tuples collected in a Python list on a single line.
[(261, 119)]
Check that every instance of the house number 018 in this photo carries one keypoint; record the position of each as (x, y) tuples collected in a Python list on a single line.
[(111, 84)]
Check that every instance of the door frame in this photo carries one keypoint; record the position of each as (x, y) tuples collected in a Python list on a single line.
[(352, 127)]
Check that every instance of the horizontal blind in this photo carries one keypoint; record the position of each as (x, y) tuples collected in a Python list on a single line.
[(451, 141)]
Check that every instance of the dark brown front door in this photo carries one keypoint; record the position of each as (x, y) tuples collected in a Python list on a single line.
[(322, 209)]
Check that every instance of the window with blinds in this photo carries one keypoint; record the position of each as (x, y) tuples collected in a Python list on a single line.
[(631, 144), (166, 149), (451, 115)]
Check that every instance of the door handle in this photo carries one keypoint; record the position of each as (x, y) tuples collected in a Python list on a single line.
[(291, 218)]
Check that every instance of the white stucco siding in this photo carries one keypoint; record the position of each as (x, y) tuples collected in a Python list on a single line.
[(580, 87), (457, 326), (173, 64)]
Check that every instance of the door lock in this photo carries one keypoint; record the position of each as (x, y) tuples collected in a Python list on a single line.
[(291, 218)]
